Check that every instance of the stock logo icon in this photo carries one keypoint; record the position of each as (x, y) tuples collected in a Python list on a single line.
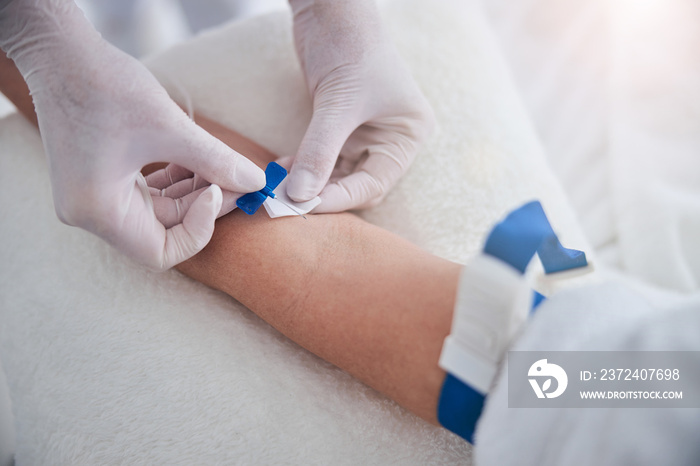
[(546, 372)]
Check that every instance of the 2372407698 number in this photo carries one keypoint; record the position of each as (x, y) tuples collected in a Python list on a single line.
[(639, 374)]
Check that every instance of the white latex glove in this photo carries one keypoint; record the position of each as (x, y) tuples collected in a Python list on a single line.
[(102, 117), (175, 189), (369, 116)]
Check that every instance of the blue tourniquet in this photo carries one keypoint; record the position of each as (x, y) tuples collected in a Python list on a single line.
[(515, 240)]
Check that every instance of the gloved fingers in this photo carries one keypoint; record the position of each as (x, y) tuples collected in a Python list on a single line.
[(370, 184), (177, 190), (214, 161), (172, 210), (180, 188), (342, 168), (199, 182), (345, 167), (168, 176), (136, 231), (189, 237), (229, 202), (351, 192), (317, 156)]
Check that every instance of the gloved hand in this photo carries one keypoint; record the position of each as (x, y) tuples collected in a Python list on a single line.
[(102, 117), (369, 116), (175, 189)]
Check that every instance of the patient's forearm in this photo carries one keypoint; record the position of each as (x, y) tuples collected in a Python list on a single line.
[(354, 294), (358, 296)]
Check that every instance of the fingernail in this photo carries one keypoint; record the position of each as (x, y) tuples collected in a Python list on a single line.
[(248, 176), (302, 185)]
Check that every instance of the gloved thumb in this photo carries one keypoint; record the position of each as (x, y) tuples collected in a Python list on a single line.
[(189, 237), (205, 155), (317, 156)]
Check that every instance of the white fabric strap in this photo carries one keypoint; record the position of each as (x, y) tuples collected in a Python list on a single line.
[(467, 367), (493, 301)]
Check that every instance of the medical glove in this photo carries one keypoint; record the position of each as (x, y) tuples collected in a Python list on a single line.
[(102, 117), (174, 190), (369, 116)]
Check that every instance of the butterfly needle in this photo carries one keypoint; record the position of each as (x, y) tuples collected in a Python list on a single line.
[(251, 202)]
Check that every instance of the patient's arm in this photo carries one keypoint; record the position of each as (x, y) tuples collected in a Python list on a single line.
[(356, 295)]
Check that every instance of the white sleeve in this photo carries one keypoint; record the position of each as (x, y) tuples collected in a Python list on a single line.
[(594, 318)]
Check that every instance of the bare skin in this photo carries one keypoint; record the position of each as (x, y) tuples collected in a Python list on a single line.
[(358, 296), (354, 294)]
